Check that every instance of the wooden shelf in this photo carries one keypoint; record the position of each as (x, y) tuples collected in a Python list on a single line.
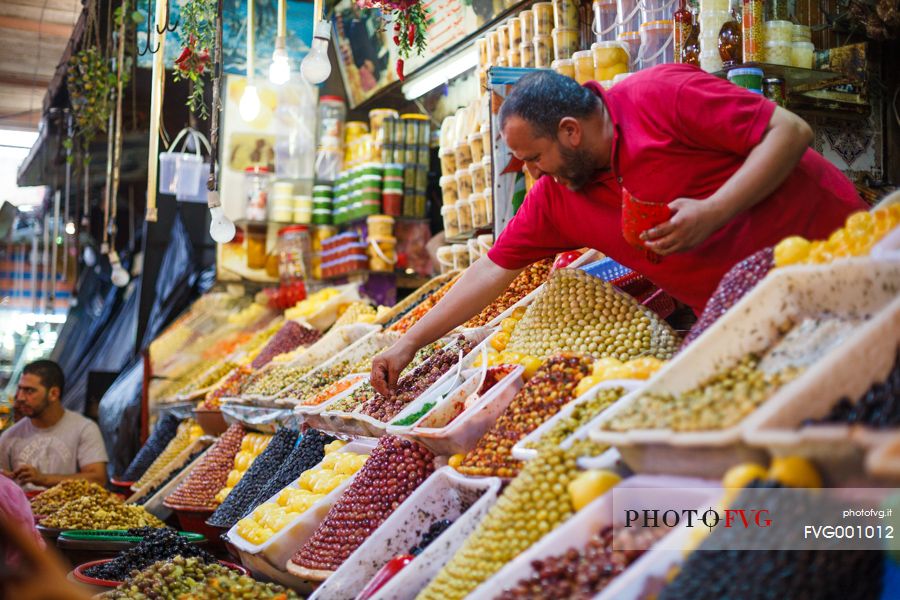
[(796, 80)]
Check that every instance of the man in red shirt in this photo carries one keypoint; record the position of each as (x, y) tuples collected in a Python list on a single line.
[(735, 170)]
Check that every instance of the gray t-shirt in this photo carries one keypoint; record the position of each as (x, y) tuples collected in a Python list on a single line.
[(59, 450)]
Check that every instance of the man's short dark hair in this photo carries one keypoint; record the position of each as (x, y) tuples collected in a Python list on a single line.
[(544, 98), (49, 372)]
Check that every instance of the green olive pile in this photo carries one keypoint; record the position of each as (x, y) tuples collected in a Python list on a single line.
[(524, 283), (531, 506), (577, 312), (720, 402), (551, 388), (49, 501), (270, 381), (194, 579), (95, 512), (579, 416), (209, 377)]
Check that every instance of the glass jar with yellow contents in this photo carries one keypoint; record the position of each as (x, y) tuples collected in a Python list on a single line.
[(610, 59)]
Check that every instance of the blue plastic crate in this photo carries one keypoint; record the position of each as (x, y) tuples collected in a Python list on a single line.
[(607, 269)]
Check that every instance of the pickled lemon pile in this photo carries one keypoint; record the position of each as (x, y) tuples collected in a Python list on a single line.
[(860, 232), (313, 485), (252, 446), (608, 369), (497, 354)]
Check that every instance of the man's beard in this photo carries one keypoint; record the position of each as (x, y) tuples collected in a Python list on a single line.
[(578, 169), (36, 412)]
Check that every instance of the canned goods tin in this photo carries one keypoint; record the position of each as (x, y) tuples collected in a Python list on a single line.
[(388, 153), (409, 154), (424, 133), (419, 205), (414, 123), (421, 179), (377, 119), (409, 177), (423, 155)]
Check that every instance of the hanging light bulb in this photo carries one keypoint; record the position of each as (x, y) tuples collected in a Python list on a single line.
[(249, 106), (280, 69), (119, 275), (70, 228), (315, 66), (221, 229)]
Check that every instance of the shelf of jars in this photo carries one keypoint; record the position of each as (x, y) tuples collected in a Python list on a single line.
[(796, 79)]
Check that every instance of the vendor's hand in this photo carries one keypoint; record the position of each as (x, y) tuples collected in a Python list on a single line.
[(28, 474), (692, 221), (386, 367)]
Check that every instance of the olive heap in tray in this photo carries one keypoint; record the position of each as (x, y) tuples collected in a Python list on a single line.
[(410, 387), (548, 391), (393, 471), (157, 545), (162, 434), (879, 407), (261, 471)]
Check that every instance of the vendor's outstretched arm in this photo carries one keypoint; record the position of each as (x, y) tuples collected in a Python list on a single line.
[(479, 286)]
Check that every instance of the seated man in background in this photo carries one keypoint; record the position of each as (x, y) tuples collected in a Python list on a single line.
[(51, 444)]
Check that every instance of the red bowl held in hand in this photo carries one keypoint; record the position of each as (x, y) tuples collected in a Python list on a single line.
[(638, 216)]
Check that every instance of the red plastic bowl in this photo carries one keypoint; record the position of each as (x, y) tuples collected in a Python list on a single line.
[(79, 575)]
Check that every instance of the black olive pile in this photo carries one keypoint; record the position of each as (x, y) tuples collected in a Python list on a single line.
[(716, 571), (879, 407), (436, 529), (307, 454), (175, 472), (157, 545), (162, 434), (255, 479)]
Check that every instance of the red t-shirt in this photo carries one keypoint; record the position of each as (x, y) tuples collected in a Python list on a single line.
[(679, 132)]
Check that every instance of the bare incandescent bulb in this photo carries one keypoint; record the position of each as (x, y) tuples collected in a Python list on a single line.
[(315, 66), (221, 229)]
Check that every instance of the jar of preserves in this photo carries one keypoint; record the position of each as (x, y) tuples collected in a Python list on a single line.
[(543, 52), (565, 67), (583, 66), (543, 18), (463, 155), (464, 216), (294, 253), (256, 246), (478, 204), (730, 43), (779, 31), (565, 14), (802, 54), (463, 184), (565, 43), (526, 53), (684, 25), (478, 182), (752, 30), (610, 59), (257, 184), (779, 52), (773, 89), (331, 112), (514, 26)]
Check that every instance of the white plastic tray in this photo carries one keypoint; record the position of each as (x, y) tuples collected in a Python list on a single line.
[(313, 409), (373, 341), (839, 450), (155, 505), (279, 548), (578, 530), (441, 496), (521, 451), (463, 432), (328, 314), (442, 386), (851, 287)]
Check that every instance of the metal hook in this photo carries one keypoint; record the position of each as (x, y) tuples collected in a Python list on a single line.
[(170, 28), (146, 49)]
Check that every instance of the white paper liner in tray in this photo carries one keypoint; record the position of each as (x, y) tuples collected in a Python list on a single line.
[(838, 450), (853, 287), (279, 548), (444, 495), (521, 451), (581, 527)]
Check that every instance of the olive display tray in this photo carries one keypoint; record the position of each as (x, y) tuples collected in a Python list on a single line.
[(278, 549), (681, 493), (840, 450), (521, 451), (444, 495), (852, 287)]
